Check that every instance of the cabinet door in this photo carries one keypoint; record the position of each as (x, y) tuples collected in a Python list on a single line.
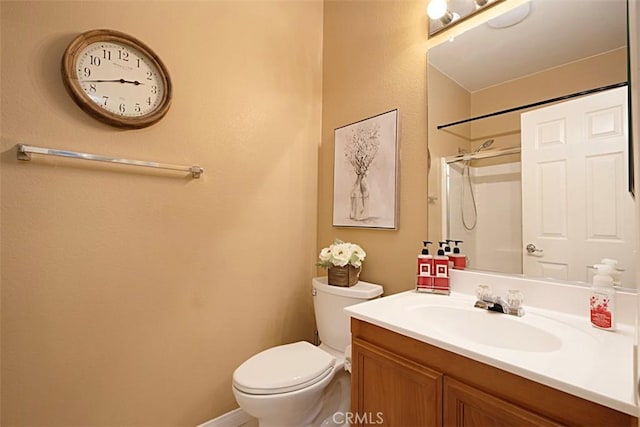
[(390, 390), (467, 406)]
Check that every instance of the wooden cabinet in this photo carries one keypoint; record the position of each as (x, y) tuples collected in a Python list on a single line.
[(466, 406), (399, 381), (395, 390)]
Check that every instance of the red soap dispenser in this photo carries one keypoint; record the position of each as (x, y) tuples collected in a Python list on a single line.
[(447, 252), (441, 273), (424, 281), (459, 260)]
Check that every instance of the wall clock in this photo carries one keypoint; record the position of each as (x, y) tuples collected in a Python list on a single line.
[(116, 79)]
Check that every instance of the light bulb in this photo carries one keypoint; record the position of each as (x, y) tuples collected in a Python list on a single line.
[(437, 9)]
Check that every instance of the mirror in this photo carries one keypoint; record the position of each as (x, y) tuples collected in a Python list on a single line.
[(558, 48)]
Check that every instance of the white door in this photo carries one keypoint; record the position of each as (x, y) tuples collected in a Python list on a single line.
[(576, 208), (634, 78)]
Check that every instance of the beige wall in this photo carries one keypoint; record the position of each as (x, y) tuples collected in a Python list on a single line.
[(130, 296), (374, 61)]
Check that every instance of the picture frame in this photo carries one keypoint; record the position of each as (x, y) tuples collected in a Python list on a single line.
[(365, 173)]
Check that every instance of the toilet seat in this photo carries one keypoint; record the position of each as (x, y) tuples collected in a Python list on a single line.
[(283, 369)]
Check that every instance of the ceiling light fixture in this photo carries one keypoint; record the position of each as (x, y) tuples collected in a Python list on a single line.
[(443, 13), (437, 9)]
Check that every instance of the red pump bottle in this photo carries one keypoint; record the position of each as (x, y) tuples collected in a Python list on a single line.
[(424, 276), (459, 260)]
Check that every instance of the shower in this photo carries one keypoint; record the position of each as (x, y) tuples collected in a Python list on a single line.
[(467, 161), (483, 146)]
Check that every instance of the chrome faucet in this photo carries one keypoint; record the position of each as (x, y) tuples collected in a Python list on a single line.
[(512, 306)]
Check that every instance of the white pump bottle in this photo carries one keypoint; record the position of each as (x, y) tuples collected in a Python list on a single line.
[(603, 299)]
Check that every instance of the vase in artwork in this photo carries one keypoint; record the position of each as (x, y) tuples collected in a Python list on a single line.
[(343, 276), (360, 199)]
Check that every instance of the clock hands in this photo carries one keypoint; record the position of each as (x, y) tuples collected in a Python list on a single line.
[(135, 82)]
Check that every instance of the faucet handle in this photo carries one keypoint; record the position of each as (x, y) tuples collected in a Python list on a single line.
[(483, 292), (514, 298)]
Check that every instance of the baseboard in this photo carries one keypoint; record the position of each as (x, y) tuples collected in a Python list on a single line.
[(234, 418)]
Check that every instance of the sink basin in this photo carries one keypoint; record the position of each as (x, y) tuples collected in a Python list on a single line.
[(486, 328)]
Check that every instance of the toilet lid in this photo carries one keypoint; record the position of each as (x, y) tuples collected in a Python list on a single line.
[(283, 368)]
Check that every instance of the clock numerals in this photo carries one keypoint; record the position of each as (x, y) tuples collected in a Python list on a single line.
[(123, 55), (119, 80)]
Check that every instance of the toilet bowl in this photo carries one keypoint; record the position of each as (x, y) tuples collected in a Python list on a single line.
[(300, 384), (289, 385)]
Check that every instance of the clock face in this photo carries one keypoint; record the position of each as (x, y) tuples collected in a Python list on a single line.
[(119, 78), (116, 79)]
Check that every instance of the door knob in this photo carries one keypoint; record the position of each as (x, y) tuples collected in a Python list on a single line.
[(531, 248)]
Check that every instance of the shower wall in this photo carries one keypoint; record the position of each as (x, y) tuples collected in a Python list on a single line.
[(495, 243)]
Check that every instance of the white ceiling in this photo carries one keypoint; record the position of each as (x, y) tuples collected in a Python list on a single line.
[(556, 32)]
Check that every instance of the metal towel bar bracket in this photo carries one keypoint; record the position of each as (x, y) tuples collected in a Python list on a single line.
[(25, 151)]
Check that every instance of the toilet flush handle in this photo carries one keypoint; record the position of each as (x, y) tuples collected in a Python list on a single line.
[(314, 292)]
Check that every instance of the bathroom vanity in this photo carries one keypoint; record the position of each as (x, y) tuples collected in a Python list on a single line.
[(427, 360)]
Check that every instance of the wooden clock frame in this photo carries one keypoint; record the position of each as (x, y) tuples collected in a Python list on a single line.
[(72, 85)]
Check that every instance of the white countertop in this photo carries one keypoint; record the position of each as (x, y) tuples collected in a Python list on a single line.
[(576, 358)]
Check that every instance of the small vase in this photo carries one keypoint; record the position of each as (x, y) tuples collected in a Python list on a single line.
[(343, 276), (360, 199)]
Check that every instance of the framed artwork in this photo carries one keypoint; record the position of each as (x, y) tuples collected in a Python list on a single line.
[(365, 173)]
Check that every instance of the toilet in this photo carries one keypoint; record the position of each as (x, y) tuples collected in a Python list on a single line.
[(300, 384)]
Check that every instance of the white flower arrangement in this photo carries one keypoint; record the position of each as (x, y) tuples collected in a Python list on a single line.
[(340, 254)]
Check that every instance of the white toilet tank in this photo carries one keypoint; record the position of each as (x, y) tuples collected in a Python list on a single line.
[(334, 327)]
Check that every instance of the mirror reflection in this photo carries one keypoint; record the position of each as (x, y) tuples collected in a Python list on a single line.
[(576, 204)]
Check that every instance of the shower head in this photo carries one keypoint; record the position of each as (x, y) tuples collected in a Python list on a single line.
[(484, 145)]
